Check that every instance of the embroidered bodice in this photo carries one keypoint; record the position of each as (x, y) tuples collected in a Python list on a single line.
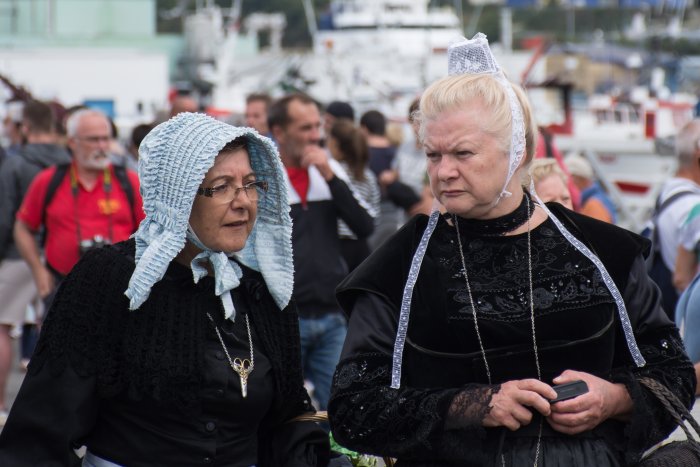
[(435, 417)]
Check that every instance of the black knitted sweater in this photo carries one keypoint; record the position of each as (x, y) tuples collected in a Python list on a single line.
[(156, 354)]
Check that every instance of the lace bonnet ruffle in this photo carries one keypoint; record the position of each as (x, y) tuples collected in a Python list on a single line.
[(173, 161)]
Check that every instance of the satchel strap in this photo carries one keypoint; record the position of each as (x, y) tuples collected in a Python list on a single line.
[(675, 408), (320, 416)]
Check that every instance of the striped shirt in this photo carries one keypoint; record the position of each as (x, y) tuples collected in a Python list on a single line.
[(367, 192)]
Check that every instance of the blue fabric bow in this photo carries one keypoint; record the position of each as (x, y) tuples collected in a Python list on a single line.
[(227, 276)]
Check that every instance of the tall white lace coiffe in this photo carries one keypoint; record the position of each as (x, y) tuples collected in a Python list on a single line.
[(474, 56), (173, 161)]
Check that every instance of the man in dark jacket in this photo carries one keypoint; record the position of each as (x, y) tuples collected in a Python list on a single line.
[(318, 195), (17, 287), (16, 173)]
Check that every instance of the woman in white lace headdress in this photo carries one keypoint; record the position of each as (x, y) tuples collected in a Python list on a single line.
[(463, 322)]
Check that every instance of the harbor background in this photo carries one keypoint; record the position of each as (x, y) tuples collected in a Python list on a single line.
[(128, 57)]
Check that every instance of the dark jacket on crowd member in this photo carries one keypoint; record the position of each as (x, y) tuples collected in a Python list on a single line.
[(16, 174)]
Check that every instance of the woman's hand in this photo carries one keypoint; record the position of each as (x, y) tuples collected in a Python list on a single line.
[(510, 406), (602, 401), (315, 155)]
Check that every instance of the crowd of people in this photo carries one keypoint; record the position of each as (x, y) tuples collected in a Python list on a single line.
[(208, 292)]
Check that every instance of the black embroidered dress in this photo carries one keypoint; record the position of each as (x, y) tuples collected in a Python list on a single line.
[(443, 373)]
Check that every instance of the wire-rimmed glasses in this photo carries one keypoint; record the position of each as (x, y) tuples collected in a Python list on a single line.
[(227, 192)]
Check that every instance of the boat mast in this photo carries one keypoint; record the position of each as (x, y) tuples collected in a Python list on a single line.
[(310, 20), (507, 29), (460, 14)]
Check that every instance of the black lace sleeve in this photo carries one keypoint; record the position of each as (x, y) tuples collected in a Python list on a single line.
[(368, 416), (666, 362)]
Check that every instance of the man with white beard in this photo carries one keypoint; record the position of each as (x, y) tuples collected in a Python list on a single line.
[(80, 206)]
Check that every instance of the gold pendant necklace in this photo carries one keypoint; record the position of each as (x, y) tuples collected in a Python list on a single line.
[(242, 366), (532, 317)]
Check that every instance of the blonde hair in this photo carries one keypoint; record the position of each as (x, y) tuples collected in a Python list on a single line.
[(457, 92), (540, 169), (394, 133)]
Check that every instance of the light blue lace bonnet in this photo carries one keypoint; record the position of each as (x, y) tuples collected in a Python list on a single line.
[(173, 161)]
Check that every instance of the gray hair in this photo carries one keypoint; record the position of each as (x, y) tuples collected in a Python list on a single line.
[(74, 120), (687, 143)]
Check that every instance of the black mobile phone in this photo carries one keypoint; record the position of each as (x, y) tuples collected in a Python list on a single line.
[(570, 390)]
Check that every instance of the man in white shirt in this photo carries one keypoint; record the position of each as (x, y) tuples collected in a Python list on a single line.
[(671, 219)]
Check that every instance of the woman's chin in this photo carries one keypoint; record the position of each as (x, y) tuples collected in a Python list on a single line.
[(229, 246), (458, 209), (230, 249)]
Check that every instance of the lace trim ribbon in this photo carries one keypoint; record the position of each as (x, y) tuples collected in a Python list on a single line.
[(610, 284), (416, 262)]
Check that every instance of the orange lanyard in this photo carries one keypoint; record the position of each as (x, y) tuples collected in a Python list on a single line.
[(107, 187)]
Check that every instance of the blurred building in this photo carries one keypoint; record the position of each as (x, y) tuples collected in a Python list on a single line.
[(103, 53)]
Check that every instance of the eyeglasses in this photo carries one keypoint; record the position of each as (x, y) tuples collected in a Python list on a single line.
[(94, 139), (227, 192)]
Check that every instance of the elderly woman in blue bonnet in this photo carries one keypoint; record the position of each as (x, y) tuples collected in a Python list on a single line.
[(461, 324), (179, 347)]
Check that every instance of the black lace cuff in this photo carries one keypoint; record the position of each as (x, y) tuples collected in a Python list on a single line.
[(368, 416), (470, 406)]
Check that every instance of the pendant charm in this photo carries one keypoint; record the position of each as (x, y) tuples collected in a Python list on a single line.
[(243, 368)]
